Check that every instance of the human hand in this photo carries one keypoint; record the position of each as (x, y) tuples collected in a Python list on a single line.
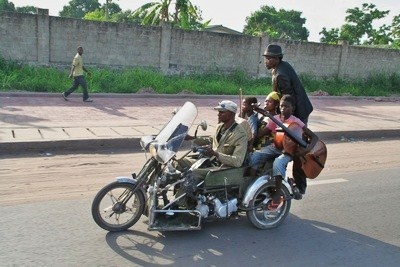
[(209, 152), (189, 137)]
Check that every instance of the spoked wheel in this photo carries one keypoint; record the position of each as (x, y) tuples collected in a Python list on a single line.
[(260, 216), (116, 207)]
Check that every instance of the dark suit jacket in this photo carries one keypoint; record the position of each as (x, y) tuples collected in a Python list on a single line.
[(285, 81)]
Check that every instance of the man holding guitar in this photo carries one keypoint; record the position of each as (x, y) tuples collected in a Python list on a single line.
[(282, 152)]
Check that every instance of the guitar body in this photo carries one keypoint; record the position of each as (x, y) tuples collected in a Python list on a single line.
[(289, 145), (278, 139), (283, 142), (313, 162)]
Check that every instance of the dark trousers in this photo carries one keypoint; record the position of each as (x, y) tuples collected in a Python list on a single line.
[(298, 173), (299, 176), (78, 80)]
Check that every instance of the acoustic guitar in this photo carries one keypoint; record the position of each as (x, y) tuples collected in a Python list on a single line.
[(290, 137)]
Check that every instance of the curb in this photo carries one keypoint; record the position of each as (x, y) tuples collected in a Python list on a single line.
[(393, 98), (131, 145)]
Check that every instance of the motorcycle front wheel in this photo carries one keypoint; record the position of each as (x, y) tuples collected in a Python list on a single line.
[(116, 207), (260, 216)]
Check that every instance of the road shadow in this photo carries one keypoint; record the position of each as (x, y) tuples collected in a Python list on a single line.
[(297, 242)]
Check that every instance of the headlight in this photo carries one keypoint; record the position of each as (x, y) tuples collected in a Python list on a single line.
[(160, 152), (146, 140)]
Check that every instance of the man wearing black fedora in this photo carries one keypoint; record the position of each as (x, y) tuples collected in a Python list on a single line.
[(286, 82)]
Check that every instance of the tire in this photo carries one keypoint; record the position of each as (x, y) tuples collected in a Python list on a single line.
[(109, 212), (261, 217)]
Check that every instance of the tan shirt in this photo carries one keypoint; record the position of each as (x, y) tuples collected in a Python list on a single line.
[(232, 147), (78, 65)]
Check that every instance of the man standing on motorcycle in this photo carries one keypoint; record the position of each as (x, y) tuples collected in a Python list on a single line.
[(285, 81)]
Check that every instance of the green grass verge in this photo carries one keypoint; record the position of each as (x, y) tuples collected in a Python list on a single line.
[(21, 77)]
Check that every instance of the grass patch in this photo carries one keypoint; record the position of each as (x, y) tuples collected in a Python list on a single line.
[(21, 77)]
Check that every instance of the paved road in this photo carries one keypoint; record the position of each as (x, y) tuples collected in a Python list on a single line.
[(348, 217)]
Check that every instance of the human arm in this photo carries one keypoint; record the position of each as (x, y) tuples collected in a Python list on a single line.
[(253, 122), (284, 85), (268, 128), (86, 70), (71, 71), (199, 141)]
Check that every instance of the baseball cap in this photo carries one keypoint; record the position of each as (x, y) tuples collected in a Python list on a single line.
[(226, 105)]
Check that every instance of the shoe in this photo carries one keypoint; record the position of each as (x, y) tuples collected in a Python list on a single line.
[(272, 206), (298, 196), (64, 96), (296, 193), (88, 100)]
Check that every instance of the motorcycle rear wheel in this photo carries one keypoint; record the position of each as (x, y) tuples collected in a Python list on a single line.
[(109, 211), (261, 217)]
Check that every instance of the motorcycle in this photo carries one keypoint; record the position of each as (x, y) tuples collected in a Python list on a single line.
[(225, 191)]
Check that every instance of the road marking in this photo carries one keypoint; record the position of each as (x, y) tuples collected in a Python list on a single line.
[(330, 181)]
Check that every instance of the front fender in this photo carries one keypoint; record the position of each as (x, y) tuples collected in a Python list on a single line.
[(125, 179), (257, 184), (129, 180)]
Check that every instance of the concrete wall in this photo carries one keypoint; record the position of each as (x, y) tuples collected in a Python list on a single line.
[(46, 40)]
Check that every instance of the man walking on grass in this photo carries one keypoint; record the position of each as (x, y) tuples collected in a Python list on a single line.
[(77, 70)]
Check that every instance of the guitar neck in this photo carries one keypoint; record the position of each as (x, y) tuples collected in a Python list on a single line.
[(292, 135)]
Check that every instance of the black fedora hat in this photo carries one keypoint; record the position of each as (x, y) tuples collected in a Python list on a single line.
[(273, 51)]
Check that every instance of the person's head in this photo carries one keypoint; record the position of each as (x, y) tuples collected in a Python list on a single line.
[(272, 56), (247, 104), (80, 50), (271, 103), (287, 106), (226, 111)]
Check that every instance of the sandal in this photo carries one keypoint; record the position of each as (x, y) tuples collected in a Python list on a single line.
[(273, 206)]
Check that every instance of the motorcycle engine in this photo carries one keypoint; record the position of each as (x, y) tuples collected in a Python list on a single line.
[(202, 206), (223, 210)]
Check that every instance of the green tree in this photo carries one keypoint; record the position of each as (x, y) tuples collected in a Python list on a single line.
[(282, 24), (78, 8), (27, 9), (5, 5), (330, 36), (125, 16), (107, 12), (395, 31), (358, 27), (359, 23), (185, 16), (380, 36)]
